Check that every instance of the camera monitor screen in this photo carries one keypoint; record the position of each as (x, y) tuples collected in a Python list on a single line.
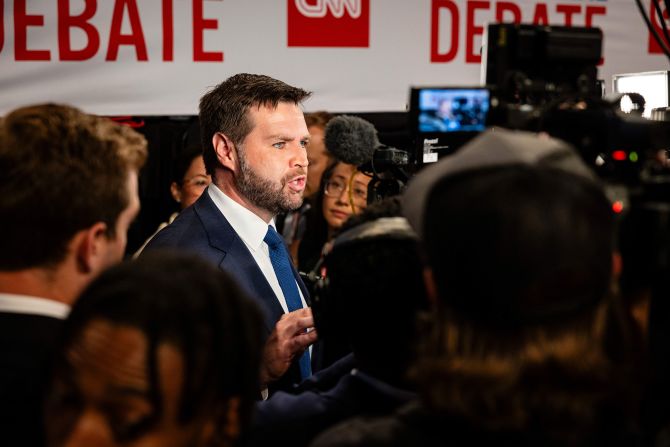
[(654, 86), (440, 110), (442, 119)]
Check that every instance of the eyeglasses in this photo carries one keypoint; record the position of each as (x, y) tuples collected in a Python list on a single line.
[(197, 181), (357, 195)]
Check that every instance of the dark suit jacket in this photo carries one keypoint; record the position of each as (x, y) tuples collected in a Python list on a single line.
[(26, 347), (203, 230), (324, 405)]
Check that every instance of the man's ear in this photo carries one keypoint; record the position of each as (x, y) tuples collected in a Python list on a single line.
[(431, 288), (90, 247), (225, 151), (175, 191)]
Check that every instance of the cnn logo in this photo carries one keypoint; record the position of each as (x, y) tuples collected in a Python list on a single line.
[(653, 46), (328, 23)]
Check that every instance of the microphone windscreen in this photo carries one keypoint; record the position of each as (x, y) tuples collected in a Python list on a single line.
[(351, 139)]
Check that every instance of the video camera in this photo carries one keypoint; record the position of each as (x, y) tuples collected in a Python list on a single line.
[(389, 172), (544, 79)]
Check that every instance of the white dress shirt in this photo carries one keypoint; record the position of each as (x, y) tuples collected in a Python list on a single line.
[(251, 229), (32, 305)]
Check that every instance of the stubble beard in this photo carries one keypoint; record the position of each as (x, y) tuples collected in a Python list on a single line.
[(264, 193)]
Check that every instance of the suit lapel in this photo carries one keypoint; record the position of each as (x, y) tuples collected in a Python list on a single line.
[(237, 260)]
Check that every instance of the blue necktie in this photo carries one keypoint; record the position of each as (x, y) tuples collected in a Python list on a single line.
[(282, 265)]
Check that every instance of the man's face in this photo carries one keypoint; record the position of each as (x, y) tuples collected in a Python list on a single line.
[(102, 396), (273, 159), (318, 157), (116, 246)]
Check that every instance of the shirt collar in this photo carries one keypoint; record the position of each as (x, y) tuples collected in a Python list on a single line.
[(247, 225), (25, 304)]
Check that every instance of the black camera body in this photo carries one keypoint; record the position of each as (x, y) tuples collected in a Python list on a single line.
[(389, 171), (544, 79)]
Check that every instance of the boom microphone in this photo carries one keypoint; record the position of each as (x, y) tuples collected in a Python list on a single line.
[(351, 139)]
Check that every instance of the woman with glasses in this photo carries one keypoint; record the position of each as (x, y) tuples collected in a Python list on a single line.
[(344, 192)]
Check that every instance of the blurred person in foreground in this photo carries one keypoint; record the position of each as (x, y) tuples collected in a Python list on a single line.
[(518, 237), (68, 183), (162, 351)]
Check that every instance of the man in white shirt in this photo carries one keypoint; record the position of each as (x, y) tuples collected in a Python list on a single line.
[(69, 193), (254, 146)]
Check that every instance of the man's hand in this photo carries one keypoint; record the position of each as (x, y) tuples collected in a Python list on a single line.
[(289, 340)]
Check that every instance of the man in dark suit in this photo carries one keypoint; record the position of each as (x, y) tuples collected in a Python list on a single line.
[(69, 189), (254, 146)]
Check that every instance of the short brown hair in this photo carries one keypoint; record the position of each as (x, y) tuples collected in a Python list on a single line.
[(62, 171), (225, 108)]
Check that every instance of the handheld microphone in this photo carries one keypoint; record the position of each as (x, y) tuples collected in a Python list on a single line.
[(351, 139)]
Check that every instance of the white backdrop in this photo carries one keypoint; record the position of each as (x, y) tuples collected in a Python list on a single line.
[(113, 56)]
